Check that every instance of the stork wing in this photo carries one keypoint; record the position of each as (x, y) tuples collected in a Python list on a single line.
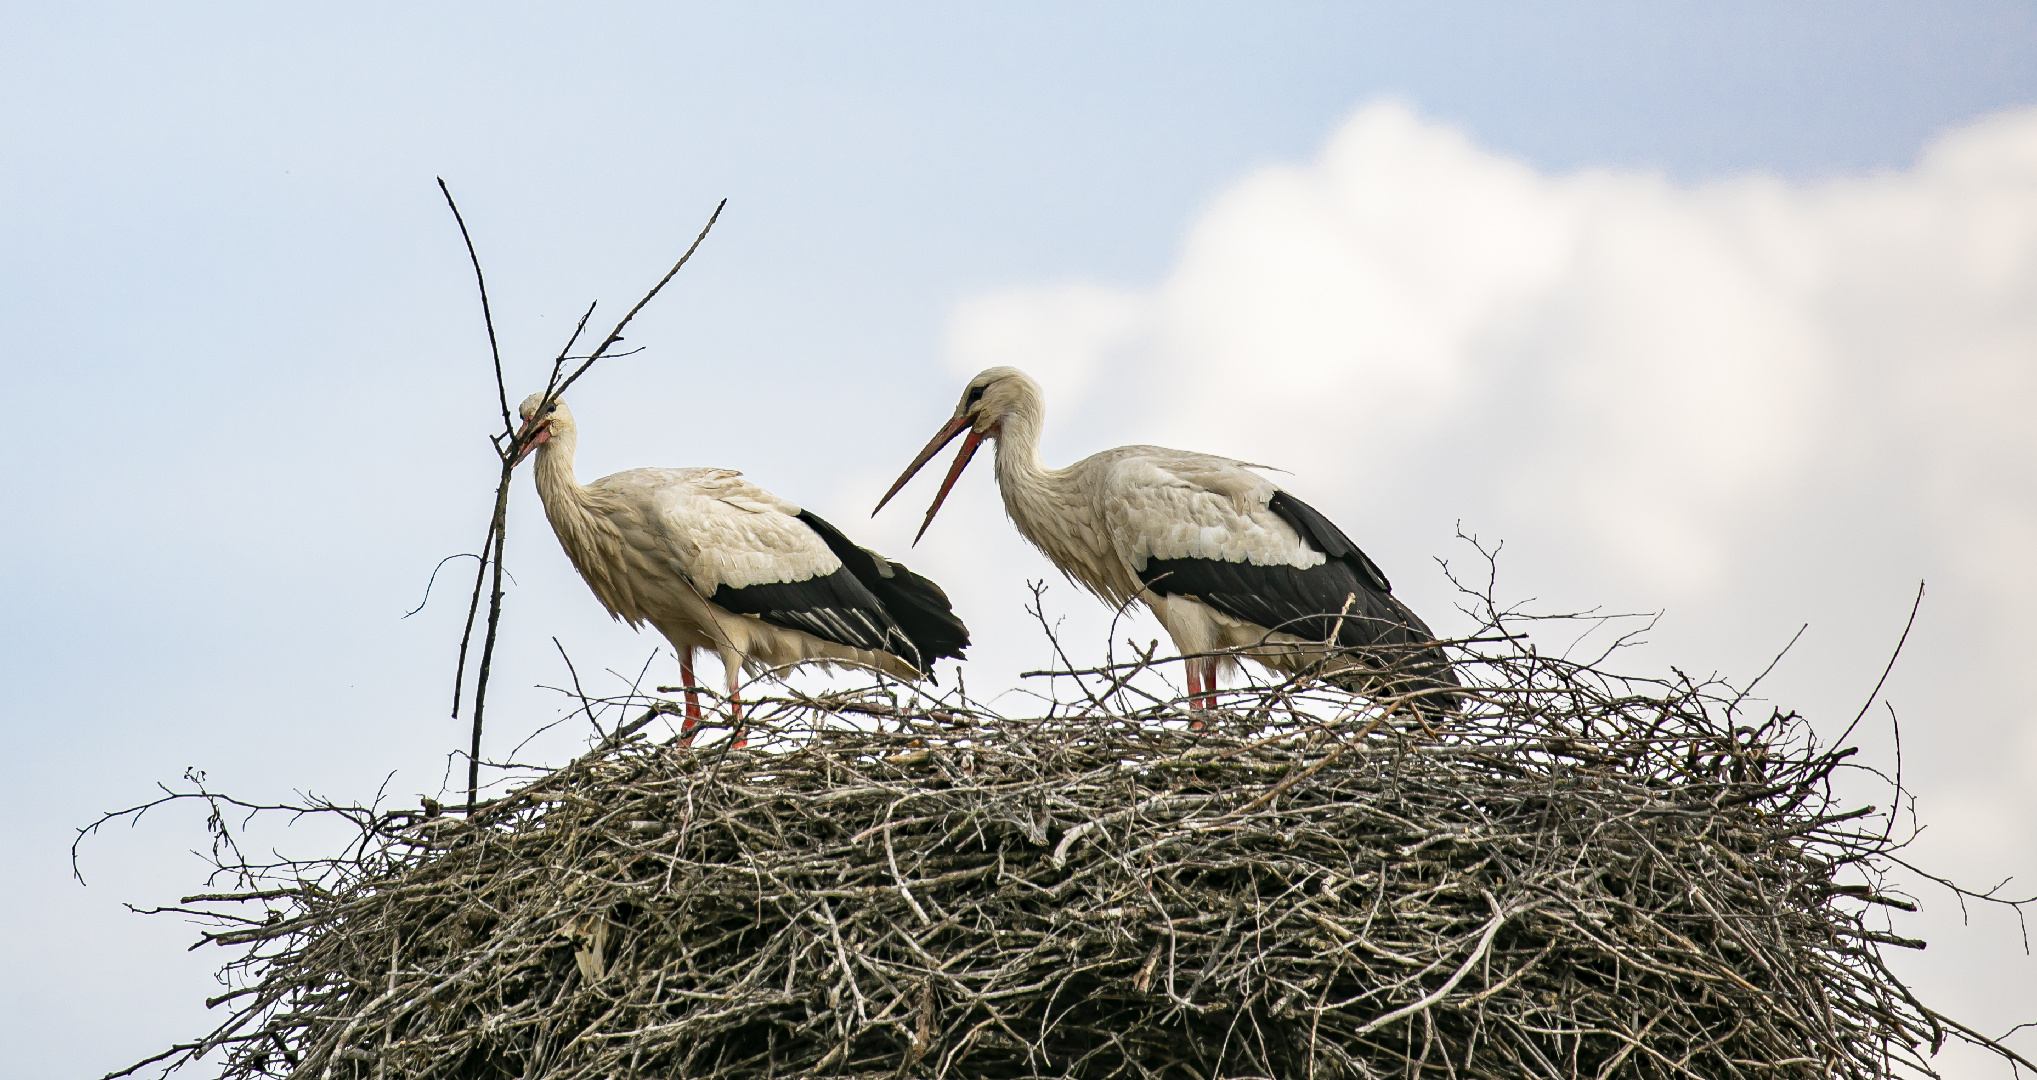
[(918, 605), (752, 553), (1344, 596), (1172, 504), (836, 607), (1206, 527)]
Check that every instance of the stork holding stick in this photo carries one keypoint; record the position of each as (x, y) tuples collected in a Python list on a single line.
[(715, 562), (1228, 562)]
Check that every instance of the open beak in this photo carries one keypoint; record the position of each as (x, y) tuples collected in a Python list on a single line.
[(941, 438), (543, 431)]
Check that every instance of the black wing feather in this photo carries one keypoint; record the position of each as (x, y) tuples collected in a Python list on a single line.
[(916, 605), (1347, 596), (1313, 603), (834, 607), (1323, 535)]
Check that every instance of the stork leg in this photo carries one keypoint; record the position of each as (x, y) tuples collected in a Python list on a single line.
[(1202, 684), (692, 694), (736, 718), (733, 666)]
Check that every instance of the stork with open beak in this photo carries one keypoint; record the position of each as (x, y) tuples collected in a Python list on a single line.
[(715, 562), (1225, 559)]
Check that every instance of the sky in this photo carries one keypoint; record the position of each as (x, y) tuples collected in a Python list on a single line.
[(1722, 311)]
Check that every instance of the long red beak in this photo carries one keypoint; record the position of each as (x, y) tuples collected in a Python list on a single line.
[(543, 432), (941, 438)]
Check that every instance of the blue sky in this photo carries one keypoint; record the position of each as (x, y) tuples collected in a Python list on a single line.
[(248, 378)]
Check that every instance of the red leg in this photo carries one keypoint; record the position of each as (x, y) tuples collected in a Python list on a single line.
[(692, 697), (736, 720), (1209, 682), (1195, 688)]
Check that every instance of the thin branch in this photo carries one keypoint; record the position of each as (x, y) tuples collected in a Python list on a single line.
[(1894, 655), (500, 531), (615, 335), (487, 316), (429, 582)]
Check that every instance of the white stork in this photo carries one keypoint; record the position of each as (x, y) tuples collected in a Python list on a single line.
[(716, 562), (1224, 558)]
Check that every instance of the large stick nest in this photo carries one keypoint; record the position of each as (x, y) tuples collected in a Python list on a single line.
[(1575, 876)]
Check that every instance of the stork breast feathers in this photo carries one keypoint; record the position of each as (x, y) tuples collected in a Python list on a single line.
[(1197, 506)]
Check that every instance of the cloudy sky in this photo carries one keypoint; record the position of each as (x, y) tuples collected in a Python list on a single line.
[(1724, 311)]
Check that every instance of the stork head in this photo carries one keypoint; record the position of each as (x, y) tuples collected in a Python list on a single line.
[(540, 427), (996, 394), (992, 397)]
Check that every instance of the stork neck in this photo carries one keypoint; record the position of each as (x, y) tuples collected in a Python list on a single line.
[(1032, 492), (1018, 452), (557, 485), (1052, 510)]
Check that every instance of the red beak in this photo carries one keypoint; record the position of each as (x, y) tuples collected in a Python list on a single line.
[(943, 437), (542, 433)]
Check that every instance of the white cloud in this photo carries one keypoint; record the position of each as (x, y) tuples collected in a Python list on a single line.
[(1062, 333), (1646, 369)]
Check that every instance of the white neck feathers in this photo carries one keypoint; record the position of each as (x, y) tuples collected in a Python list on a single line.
[(591, 540), (1053, 509)]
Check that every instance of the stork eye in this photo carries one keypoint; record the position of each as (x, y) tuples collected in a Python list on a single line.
[(975, 395)]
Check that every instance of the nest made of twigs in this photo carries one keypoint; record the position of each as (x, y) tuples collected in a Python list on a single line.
[(1574, 876)]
